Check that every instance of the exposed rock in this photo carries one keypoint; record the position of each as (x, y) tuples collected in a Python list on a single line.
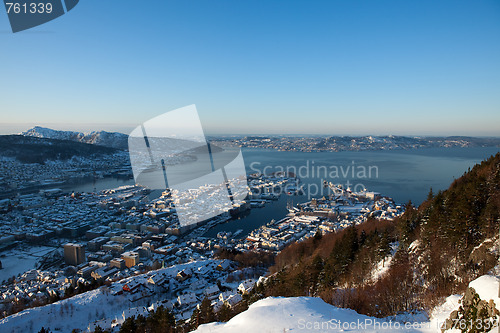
[(484, 253), (474, 315)]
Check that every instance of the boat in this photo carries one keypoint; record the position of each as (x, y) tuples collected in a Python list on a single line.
[(256, 204)]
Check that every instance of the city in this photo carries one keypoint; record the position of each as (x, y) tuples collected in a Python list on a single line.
[(125, 242)]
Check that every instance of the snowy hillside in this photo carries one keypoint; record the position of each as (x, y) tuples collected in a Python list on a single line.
[(100, 138), (105, 306), (310, 314), (300, 314)]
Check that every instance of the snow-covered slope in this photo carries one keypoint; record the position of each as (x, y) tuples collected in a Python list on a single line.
[(310, 314), (273, 314), (81, 310), (101, 138), (302, 314), (382, 267), (486, 287), (442, 312)]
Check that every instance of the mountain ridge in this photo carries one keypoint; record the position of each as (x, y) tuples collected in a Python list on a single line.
[(285, 142), (100, 138), (30, 149)]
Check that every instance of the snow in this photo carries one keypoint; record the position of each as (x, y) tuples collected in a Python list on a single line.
[(414, 246), (487, 287), (75, 312), (310, 314), (443, 311), (487, 240), (383, 265), (81, 310), (381, 268), (301, 314), (18, 261)]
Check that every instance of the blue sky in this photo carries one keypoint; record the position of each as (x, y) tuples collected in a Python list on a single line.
[(329, 67)]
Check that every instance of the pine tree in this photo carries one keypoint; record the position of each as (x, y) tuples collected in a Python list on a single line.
[(98, 329), (384, 247), (362, 238), (161, 321), (194, 322), (430, 195), (225, 313), (129, 325), (207, 314), (317, 236)]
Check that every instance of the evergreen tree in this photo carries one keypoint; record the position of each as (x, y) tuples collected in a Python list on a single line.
[(129, 325), (384, 247), (194, 322), (317, 236), (362, 238), (99, 329), (161, 321), (141, 323), (225, 313), (430, 195), (407, 223), (207, 314)]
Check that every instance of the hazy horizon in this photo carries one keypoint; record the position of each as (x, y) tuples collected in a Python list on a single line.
[(6, 129)]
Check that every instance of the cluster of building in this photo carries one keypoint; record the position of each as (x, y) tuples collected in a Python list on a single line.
[(183, 287), (341, 209), (269, 187), (25, 177), (277, 234), (342, 143), (52, 215), (34, 285), (104, 236), (347, 206), (180, 288)]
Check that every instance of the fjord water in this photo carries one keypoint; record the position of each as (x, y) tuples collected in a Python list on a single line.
[(400, 174)]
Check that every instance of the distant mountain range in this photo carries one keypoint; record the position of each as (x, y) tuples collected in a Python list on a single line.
[(282, 142), (100, 138), (352, 143)]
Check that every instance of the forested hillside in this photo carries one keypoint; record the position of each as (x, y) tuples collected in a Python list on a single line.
[(28, 149)]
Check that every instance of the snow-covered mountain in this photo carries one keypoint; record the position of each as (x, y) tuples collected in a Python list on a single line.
[(282, 314), (307, 314), (312, 314), (100, 138)]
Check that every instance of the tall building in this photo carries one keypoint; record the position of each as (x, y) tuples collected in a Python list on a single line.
[(131, 258), (74, 254)]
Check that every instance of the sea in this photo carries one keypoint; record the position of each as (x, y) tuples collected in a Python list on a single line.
[(402, 175)]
